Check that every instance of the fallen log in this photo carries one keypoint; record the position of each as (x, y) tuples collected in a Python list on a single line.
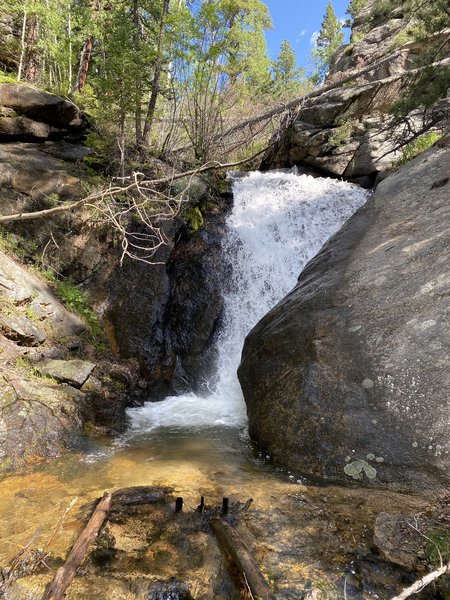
[(65, 574), (231, 543)]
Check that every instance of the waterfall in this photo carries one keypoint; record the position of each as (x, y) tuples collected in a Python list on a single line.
[(278, 223)]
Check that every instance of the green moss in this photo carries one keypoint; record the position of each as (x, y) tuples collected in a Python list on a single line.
[(341, 135), (24, 364), (31, 314), (418, 146), (7, 462), (77, 301), (194, 219), (438, 547)]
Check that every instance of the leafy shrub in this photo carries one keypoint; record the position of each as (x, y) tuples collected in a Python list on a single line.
[(76, 300), (418, 146)]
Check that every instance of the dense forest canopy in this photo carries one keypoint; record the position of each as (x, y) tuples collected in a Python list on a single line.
[(165, 74)]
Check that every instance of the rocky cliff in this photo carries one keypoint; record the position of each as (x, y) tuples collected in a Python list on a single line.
[(159, 328), (347, 377), (348, 131)]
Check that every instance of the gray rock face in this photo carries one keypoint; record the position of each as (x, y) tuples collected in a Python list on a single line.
[(36, 419), (347, 378), (348, 131), (22, 128), (31, 169), (40, 106), (19, 285), (22, 330), (28, 114), (75, 372)]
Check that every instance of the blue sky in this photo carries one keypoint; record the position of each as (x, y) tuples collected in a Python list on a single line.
[(296, 21)]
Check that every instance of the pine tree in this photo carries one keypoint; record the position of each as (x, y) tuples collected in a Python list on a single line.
[(284, 67), (330, 38), (354, 8), (288, 80)]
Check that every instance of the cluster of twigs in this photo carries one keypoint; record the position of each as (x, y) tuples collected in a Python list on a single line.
[(29, 559)]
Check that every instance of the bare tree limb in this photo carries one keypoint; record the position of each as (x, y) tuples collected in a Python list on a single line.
[(302, 99), (421, 583), (138, 183)]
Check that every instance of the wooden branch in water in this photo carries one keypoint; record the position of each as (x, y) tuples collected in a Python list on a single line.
[(421, 583), (230, 542), (65, 574)]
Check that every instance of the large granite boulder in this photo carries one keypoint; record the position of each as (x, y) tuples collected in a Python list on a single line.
[(36, 419), (39, 105), (29, 114), (347, 378)]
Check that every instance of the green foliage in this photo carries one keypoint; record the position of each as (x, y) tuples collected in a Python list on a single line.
[(288, 80), (76, 300), (330, 38), (22, 363), (418, 146), (438, 547), (355, 7), (7, 77), (8, 241), (341, 135)]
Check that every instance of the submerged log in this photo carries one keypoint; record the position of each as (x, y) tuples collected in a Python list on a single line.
[(65, 574), (231, 543)]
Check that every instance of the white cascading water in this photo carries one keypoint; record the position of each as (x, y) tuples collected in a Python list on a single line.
[(278, 223)]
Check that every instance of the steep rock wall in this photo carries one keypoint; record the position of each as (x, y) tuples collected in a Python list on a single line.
[(347, 377), (347, 131)]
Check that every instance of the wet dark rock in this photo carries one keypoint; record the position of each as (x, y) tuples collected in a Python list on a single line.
[(347, 377), (400, 539), (170, 324), (123, 500), (169, 590), (197, 271)]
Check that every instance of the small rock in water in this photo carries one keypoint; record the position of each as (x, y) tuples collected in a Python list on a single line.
[(169, 590)]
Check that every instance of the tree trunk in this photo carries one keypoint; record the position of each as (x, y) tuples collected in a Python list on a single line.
[(86, 52), (31, 64), (22, 46), (155, 86), (138, 106), (85, 59)]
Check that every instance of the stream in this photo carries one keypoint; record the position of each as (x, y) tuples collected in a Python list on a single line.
[(303, 534)]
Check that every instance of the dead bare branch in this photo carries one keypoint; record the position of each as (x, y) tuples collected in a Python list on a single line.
[(421, 583), (137, 208)]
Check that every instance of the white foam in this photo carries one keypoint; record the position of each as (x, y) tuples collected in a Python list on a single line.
[(278, 223)]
